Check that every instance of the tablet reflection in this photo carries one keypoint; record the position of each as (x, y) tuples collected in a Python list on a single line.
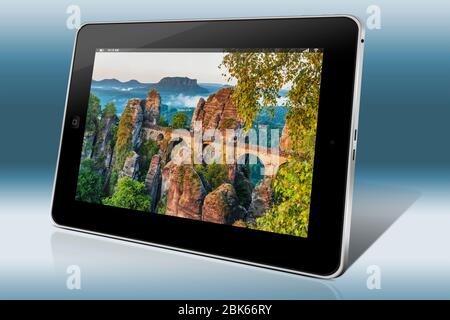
[(117, 269)]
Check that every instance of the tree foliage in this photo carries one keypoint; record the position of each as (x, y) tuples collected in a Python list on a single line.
[(162, 122), (161, 208), (260, 78), (93, 113), (129, 194), (179, 120), (292, 191), (148, 149), (90, 183), (214, 173), (109, 110), (123, 138)]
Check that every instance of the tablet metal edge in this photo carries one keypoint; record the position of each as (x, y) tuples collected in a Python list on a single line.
[(352, 151), (350, 166)]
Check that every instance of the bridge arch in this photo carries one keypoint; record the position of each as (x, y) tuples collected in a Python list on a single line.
[(255, 167), (269, 159), (179, 137)]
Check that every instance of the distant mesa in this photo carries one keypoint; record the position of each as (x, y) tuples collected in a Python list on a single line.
[(183, 85), (117, 83), (180, 84)]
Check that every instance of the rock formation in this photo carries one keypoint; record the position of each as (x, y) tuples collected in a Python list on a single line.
[(151, 106), (153, 181), (262, 197), (217, 112), (104, 145), (198, 112), (88, 145), (221, 205), (144, 113), (174, 189), (131, 166), (184, 189), (137, 118)]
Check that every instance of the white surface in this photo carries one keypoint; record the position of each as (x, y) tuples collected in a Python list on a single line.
[(402, 227)]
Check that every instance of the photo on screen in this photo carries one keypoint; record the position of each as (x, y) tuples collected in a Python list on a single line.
[(223, 136)]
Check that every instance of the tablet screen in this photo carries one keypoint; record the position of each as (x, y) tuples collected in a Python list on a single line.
[(220, 136)]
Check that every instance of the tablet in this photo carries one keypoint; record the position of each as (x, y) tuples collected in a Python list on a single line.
[(232, 139)]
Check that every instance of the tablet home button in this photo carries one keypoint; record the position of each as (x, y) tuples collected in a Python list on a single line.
[(75, 122)]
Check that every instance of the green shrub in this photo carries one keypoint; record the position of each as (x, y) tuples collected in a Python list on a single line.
[(162, 122), (90, 183), (129, 194), (179, 120), (148, 149)]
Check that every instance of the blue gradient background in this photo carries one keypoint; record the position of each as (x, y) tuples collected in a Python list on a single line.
[(403, 142)]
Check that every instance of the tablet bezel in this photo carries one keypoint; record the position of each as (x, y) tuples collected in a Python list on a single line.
[(322, 253)]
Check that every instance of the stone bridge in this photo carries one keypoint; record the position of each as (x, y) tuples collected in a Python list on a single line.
[(269, 158)]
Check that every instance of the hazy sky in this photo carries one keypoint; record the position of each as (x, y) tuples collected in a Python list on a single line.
[(152, 66)]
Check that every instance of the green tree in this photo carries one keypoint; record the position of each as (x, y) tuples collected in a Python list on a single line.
[(162, 122), (93, 113), (244, 188), (179, 120), (123, 139), (129, 194), (111, 182), (214, 173), (260, 77), (92, 125), (90, 183), (109, 110), (292, 191)]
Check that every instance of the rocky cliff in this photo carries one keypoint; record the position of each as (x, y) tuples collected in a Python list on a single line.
[(104, 146), (137, 118), (151, 106), (222, 205), (153, 181), (198, 112), (145, 114), (131, 166), (217, 112), (262, 198), (184, 189)]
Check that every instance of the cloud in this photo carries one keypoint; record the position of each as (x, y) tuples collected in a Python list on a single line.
[(182, 100)]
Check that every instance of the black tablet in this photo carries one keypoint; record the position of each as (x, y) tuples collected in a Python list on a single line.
[(232, 139)]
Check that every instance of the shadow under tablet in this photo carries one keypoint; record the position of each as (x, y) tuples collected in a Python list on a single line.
[(375, 209), (115, 269)]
